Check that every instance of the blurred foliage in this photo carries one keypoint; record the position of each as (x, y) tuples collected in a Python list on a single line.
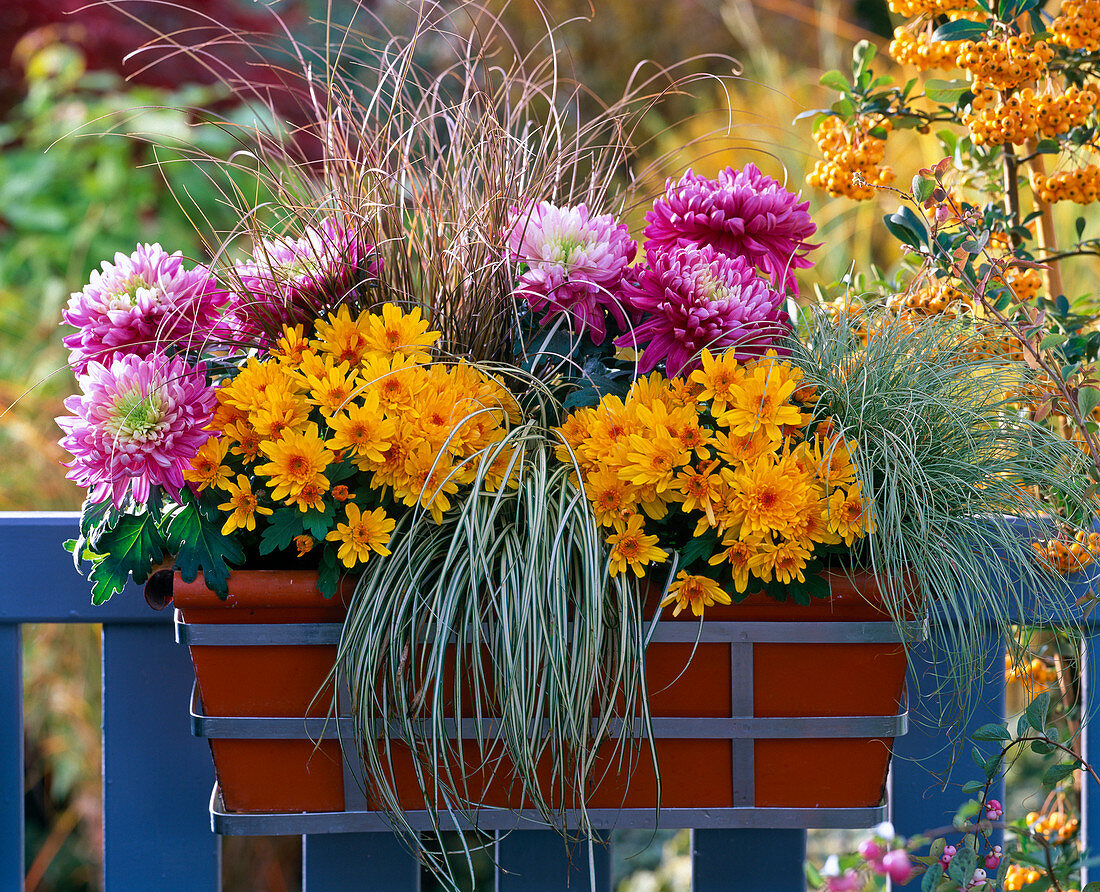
[(88, 167)]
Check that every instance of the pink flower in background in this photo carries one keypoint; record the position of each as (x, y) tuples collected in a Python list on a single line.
[(575, 264), (743, 213), (696, 298), (289, 281), (140, 305), (136, 424)]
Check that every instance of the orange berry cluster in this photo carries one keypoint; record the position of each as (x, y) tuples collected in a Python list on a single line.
[(852, 313), (1034, 672), (1004, 64), (1068, 555), (1077, 25), (932, 299), (847, 153), (1081, 185), (920, 51), (910, 9), (1025, 283), (1013, 122), (1018, 877), (1059, 114), (1056, 826)]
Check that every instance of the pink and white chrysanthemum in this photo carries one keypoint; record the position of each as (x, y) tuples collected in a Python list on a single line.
[(136, 424), (575, 264), (142, 304), (291, 281), (695, 298), (743, 213)]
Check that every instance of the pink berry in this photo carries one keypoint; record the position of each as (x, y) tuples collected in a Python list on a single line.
[(871, 850), (948, 854), (993, 810), (897, 866), (992, 862)]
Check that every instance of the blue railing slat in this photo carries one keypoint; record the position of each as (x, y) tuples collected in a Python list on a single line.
[(748, 860), (40, 584), (1090, 743), (540, 861), (919, 771), (11, 758), (358, 862), (157, 777)]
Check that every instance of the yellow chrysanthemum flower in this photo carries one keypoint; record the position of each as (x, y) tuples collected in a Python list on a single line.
[(785, 560), (398, 334), (291, 347), (652, 459), (682, 392), (244, 505), (284, 411), (632, 549), (398, 382), (835, 467), (692, 591), (299, 458), (745, 449), (718, 380), (736, 555), (762, 400), (334, 387), (362, 534), (248, 391), (362, 428), (343, 338), (208, 466), (684, 424), (647, 391), (503, 471), (768, 496), (812, 523), (701, 488), (309, 496), (245, 440), (612, 498), (429, 480), (849, 515)]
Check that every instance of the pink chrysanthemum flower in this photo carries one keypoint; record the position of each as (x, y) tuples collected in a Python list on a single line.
[(696, 298), (141, 304), (136, 424), (743, 213), (575, 264), (292, 281)]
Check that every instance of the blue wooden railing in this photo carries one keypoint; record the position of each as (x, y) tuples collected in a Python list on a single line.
[(157, 777)]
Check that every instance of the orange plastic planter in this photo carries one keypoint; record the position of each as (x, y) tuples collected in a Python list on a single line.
[(788, 680)]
